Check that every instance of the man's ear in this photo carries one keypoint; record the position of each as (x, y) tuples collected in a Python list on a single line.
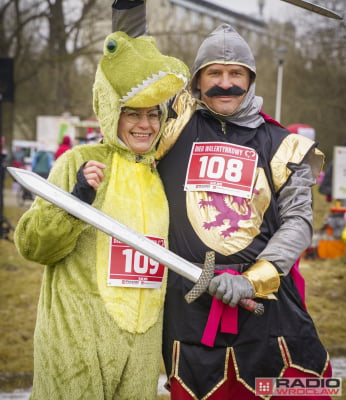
[(252, 77), (198, 79)]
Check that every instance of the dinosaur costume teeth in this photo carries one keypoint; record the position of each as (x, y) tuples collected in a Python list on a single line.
[(143, 92)]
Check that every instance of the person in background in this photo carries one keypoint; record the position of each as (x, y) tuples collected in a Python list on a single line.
[(18, 158), (326, 183), (65, 145), (42, 162), (213, 349), (98, 337)]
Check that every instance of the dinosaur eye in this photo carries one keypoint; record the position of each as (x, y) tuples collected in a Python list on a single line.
[(112, 46)]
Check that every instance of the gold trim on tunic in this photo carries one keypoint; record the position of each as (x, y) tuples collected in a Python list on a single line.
[(175, 373), (286, 356), (286, 359)]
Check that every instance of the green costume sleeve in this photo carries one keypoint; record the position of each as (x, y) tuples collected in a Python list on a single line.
[(45, 233)]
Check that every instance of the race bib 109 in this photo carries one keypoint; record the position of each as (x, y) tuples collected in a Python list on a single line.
[(130, 268)]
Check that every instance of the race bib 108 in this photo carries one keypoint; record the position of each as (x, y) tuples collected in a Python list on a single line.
[(221, 167)]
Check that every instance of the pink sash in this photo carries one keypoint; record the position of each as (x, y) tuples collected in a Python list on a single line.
[(220, 313)]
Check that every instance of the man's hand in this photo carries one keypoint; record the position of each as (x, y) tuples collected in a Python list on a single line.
[(231, 288), (93, 174)]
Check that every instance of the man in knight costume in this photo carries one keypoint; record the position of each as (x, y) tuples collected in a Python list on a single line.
[(210, 351)]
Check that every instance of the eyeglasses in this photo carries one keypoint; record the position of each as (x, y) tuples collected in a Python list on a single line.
[(134, 116)]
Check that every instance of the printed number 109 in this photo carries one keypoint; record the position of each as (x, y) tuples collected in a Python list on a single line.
[(141, 264)]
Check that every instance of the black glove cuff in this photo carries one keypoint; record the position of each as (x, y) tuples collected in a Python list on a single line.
[(82, 189), (125, 4)]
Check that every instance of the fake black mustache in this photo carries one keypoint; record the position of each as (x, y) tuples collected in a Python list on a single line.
[(218, 91)]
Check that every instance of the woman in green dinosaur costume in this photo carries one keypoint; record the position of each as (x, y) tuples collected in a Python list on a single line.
[(92, 340)]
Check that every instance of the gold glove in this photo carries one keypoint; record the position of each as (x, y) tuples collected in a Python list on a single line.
[(264, 278)]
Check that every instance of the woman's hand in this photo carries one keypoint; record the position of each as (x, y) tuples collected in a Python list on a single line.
[(93, 173)]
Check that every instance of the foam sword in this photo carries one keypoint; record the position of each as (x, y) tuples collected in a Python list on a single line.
[(91, 215)]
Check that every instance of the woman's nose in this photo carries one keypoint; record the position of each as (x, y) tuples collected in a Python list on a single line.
[(144, 120)]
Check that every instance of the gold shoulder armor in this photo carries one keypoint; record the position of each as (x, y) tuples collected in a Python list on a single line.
[(184, 105), (295, 149)]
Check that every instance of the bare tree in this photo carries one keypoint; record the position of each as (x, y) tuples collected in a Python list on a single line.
[(53, 47), (56, 45), (314, 76)]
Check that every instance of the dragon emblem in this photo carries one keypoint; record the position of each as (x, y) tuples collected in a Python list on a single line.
[(230, 208), (228, 223)]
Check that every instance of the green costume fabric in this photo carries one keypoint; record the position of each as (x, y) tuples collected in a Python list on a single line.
[(93, 341)]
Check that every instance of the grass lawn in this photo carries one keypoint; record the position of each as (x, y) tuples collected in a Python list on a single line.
[(20, 283)]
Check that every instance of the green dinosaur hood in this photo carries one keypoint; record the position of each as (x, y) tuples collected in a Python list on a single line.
[(132, 72)]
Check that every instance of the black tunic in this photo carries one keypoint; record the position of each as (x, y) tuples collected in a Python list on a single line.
[(285, 325)]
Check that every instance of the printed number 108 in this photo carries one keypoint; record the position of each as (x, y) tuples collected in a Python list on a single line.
[(216, 167)]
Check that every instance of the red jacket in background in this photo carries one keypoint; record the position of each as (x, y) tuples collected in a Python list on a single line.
[(65, 145)]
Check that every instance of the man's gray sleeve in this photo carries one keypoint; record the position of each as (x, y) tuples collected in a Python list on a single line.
[(129, 20), (295, 209)]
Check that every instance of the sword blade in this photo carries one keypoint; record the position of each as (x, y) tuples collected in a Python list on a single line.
[(314, 8), (91, 215)]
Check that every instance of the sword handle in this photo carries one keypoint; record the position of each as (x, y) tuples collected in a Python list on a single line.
[(203, 282), (252, 306)]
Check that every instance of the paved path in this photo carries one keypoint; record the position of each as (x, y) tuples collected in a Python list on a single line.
[(25, 394), (339, 371)]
